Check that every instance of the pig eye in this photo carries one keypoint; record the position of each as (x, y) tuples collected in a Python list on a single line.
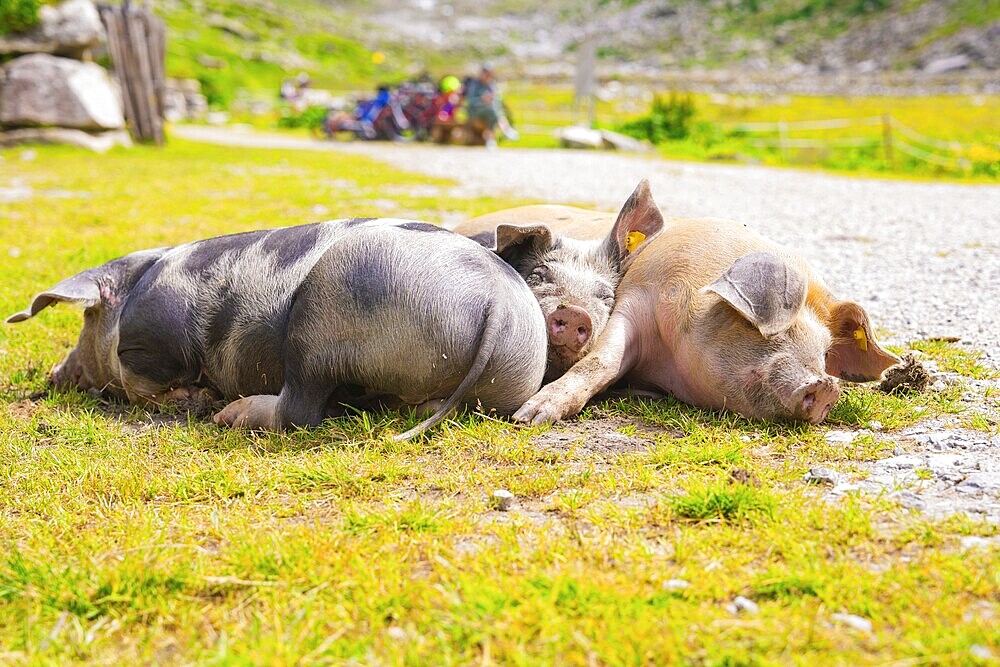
[(540, 274), (606, 294)]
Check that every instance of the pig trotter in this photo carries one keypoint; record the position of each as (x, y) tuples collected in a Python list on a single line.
[(549, 406), (256, 413)]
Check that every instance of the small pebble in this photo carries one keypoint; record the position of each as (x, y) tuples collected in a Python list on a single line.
[(981, 652), (976, 542), (743, 605), (822, 476), (29, 155), (675, 585), (856, 622), (839, 437), (397, 633), (503, 499)]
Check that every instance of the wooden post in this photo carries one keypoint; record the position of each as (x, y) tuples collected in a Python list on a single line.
[(890, 158), (137, 46)]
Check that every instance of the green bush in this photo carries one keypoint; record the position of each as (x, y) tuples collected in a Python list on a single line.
[(17, 15), (312, 118), (669, 119)]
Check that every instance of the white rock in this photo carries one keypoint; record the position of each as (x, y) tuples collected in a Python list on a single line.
[(40, 89), (981, 652), (745, 605), (503, 499), (675, 585), (579, 137), (822, 476), (903, 462), (67, 29), (976, 542), (857, 622), (839, 437)]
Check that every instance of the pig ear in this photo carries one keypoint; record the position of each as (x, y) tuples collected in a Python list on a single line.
[(638, 222), (514, 240), (80, 289), (855, 355), (763, 289)]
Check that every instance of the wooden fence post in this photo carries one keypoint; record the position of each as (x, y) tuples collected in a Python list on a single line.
[(783, 139), (136, 44), (890, 158)]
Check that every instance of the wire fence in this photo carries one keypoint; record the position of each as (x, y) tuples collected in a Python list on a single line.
[(895, 138)]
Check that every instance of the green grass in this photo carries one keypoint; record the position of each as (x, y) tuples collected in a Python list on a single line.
[(966, 119), (129, 537)]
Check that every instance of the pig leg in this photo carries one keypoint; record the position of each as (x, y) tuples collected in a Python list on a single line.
[(252, 412), (612, 356)]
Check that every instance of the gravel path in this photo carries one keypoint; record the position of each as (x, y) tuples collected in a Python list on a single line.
[(923, 258)]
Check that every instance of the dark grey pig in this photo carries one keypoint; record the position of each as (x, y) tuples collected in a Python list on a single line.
[(282, 321), (574, 279)]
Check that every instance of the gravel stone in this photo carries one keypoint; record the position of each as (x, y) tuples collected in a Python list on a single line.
[(675, 585), (981, 652), (839, 437), (857, 622), (903, 462), (742, 605), (976, 542), (983, 482), (822, 476), (502, 499), (909, 500)]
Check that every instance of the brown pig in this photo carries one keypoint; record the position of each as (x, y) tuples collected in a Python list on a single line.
[(722, 318)]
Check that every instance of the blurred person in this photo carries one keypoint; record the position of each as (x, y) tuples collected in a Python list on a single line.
[(483, 104)]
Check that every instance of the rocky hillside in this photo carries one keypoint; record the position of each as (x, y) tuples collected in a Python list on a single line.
[(252, 45)]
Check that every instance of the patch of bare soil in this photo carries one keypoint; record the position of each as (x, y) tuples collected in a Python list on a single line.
[(604, 435), (22, 409)]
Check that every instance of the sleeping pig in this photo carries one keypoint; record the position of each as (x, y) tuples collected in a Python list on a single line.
[(721, 318), (574, 280), (281, 321)]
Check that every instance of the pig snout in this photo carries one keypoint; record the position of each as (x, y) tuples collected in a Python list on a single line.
[(812, 401), (569, 327)]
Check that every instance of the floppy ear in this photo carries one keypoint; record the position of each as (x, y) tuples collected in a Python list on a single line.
[(855, 356), (80, 289), (638, 222), (763, 289), (513, 241)]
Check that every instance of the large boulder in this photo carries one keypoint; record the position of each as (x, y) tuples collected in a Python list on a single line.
[(40, 90), (68, 29)]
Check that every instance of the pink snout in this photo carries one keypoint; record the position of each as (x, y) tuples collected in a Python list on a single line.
[(814, 400), (569, 327)]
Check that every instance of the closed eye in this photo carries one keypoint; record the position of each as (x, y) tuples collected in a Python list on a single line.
[(605, 294), (539, 275)]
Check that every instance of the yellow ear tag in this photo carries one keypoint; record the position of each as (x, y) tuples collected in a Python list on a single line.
[(861, 338), (634, 240)]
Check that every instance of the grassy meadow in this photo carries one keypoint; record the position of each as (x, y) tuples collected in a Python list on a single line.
[(131, 537), (960, 132)]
